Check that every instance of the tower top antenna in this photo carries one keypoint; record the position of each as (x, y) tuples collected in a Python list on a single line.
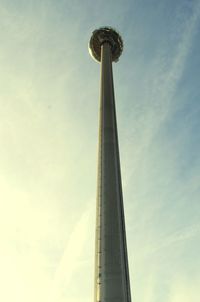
[(105, 35)]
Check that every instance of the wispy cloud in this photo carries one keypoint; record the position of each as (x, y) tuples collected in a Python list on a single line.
[(165, 75), (73, 255), (153, 180), (171, 239), (158, 104)]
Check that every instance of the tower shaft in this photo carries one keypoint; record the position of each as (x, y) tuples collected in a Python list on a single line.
[(111, 263)]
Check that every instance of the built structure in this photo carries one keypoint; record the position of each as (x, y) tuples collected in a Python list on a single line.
[(111, 261)]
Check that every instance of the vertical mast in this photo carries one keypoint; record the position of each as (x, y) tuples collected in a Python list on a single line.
[(111, 262)]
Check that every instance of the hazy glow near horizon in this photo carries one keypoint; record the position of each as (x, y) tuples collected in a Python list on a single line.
[(48, 154)]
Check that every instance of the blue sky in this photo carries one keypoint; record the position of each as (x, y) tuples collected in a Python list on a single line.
[(48, 154)]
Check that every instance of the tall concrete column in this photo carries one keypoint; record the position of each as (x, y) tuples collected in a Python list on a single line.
[(111, 262)]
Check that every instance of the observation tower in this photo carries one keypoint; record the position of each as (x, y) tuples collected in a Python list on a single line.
[(111, 262)]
